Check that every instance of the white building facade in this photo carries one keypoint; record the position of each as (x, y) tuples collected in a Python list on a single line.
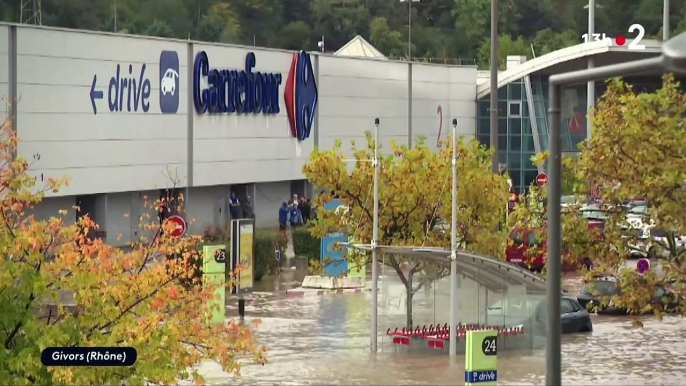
[(120, 114)]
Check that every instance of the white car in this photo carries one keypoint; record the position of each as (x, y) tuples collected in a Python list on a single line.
[(168, 82), (651, 241)]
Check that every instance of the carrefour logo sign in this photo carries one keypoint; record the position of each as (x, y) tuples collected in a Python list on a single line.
[(234, 91)]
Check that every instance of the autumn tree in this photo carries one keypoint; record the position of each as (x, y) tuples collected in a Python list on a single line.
[(638, 151), (147, 297), (414, 195)]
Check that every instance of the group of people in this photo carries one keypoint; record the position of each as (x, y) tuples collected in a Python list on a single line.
[(297, 212)]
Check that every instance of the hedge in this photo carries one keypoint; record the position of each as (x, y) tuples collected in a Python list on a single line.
[(304, 244), (264, 259)]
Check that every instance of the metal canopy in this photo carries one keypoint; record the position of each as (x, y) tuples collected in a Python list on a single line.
[(490, 272)]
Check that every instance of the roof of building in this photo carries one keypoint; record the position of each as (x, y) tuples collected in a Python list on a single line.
[(566, 60), (490, 272), (358, 47)]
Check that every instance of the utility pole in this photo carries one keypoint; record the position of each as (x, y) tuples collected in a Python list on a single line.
[(590, 93), (494, 85), (453, 251), (409, 27), (665, 21)]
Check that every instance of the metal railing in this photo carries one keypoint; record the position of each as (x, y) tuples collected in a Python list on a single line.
[(447, 61)]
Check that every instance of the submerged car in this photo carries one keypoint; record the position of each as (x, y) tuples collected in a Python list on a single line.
[(531, 312), (597, 296), (527, 251)]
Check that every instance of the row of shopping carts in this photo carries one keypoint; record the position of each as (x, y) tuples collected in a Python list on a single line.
[(437, 336)]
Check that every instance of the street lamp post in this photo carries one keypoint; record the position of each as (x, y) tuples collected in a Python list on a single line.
[(409, 26), (665, 21), (590, 87), (453, 251), (673, 59), (375, 241), (495, 61)]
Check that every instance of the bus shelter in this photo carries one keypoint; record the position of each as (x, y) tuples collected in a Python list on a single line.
[(491, 294)]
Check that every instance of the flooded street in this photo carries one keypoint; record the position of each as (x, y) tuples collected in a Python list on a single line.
[(325, 340)]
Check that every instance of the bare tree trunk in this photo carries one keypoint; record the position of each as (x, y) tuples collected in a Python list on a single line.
[(408, 303)]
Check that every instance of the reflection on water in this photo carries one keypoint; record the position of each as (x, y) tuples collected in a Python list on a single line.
[(307, 348)]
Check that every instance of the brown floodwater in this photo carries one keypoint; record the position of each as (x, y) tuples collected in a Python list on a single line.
[(325, 340)]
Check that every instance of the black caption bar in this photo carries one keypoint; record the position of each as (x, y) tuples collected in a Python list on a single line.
[(89, 356)]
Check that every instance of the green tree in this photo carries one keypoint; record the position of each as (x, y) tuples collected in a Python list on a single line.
[(384, 39), (160, 29), (295, 35), (260, 20), (219, 24), (629, 161), (506, 46), (340, 20), (414, 194), (547, 41)]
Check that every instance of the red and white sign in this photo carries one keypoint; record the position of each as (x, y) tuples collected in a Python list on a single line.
[(541, 179), (643, 265), (575, 124), (180, 226)]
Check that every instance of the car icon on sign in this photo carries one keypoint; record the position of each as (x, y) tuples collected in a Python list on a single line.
[(168, 82)]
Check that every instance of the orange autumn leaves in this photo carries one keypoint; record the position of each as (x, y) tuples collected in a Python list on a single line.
[(61, 287)]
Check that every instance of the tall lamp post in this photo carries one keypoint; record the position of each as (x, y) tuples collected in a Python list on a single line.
[(409, 26), (590, 87), (495, 61), (665, 21), (453, 250), (673, 59)]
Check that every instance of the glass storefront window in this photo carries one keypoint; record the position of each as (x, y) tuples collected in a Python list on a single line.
[(526, 126), (484, 126), (502, 109), (502, 142), (515, 126), (514, 91), (483, 108), (502, 126), (484, 139), (515, 143), (502, 94), (528, 143)]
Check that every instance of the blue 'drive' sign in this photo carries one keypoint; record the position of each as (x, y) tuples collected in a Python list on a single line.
[(128, 90), (480, 376), (333, 261), (234, 91)]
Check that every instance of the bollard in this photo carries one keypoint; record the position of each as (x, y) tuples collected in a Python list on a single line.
[(214, 273), (481, 359), (241, 308)]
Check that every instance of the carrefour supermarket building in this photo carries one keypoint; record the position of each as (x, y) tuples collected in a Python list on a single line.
[(122, 114)]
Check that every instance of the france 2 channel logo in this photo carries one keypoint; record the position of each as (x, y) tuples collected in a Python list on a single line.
[(619, 40), (169, 82)]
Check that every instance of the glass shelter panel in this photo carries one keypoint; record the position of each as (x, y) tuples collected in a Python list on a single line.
[(489, 297)]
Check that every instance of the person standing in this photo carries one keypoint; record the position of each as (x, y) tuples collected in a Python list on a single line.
[(293, 214), (247, 208), (305, 209), (234, 206), (283, 216)]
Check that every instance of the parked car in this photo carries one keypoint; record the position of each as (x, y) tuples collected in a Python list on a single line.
[(593, 293), (649, 240), (531, 312), (526, 250)]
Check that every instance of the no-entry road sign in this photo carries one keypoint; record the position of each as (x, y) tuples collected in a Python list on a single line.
[(180, 226), (541, 179), (643, 265)]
